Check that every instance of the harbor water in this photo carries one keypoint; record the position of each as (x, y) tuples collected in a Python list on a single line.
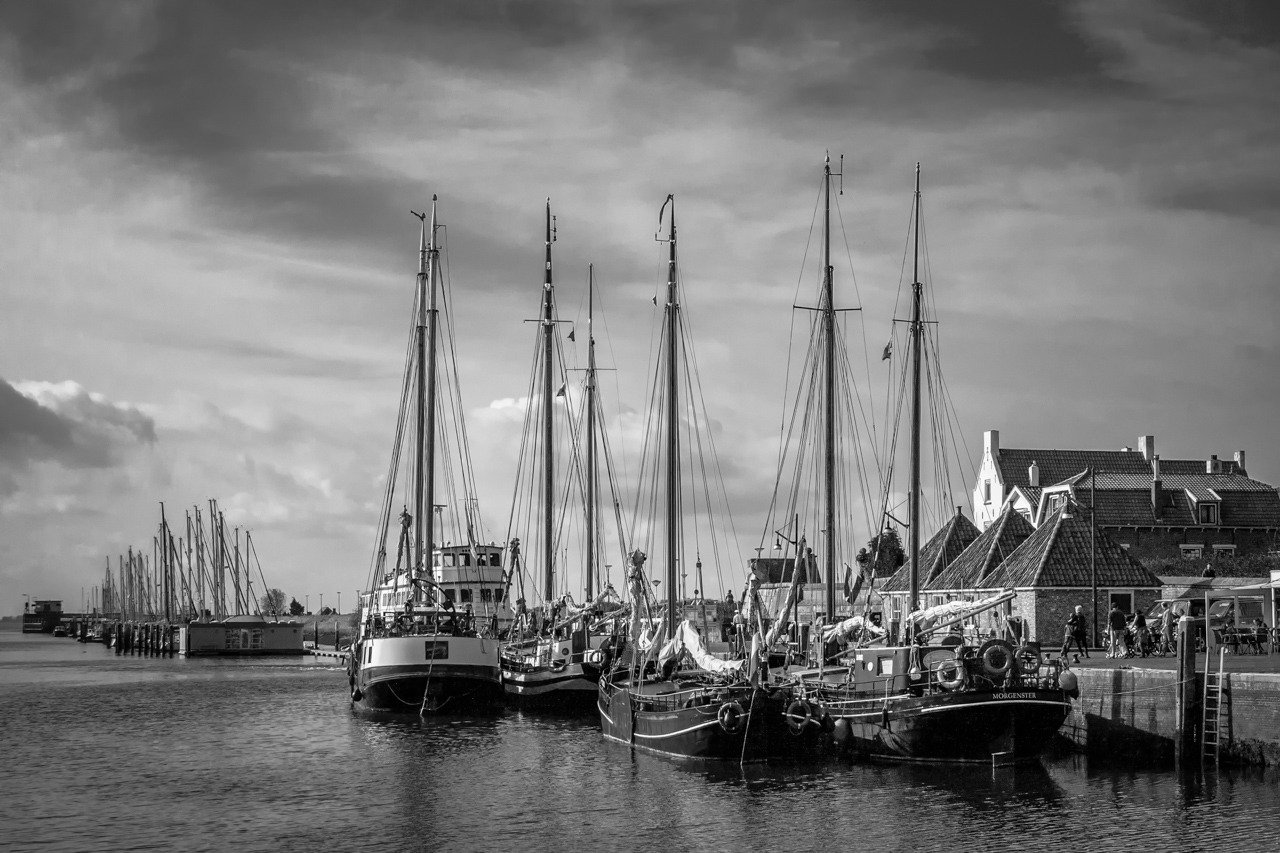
[(107, 752)]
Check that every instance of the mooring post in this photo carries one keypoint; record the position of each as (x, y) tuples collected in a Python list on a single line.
[(1184, 747)]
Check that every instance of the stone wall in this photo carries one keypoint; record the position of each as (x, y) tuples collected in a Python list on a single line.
[(1130, 715)]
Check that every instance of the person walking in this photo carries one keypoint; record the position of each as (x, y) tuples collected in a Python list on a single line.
[(1140, 634), (1076, 632), (1116, 624)]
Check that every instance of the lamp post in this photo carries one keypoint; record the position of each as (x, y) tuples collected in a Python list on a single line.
[(337, 623), (308, 598)]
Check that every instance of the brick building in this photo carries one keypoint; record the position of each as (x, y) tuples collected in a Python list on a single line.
[(1197, 509)]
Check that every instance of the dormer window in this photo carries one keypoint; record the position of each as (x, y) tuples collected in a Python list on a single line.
[(1056, 502), (986, 491), (1207, 512)]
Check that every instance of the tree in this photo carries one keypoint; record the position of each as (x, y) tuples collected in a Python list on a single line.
[(273, 602), (890, 557), (295, 608)]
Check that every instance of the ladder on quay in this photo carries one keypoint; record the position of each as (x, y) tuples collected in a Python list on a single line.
[(1211, 726)]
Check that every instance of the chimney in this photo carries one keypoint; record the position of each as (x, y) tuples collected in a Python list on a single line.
[(1147, 444), (1212, 466), (1033, 475), (1157, 488), (991, 442), (1240, 463)]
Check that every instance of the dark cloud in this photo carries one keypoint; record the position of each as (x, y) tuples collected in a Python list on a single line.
[(72, 428), (1256, 198), (28, 429), (1247, 22)]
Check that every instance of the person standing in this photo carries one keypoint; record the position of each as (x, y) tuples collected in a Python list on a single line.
[(1076, 632), (1116, 624), (1140, 635)]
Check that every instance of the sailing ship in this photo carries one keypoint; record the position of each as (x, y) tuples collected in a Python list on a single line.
[(553, 659), (923, 701), (420, 648), (662, 690)]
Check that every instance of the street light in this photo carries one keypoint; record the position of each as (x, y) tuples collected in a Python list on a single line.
[(308, 597)]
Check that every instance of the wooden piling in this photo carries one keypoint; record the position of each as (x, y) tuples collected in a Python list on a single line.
[(1188, 698)]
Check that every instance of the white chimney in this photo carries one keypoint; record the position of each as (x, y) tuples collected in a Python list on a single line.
[(1147, 444), (1240, 461), (1211, 466), (991, 442), (1033, 475)]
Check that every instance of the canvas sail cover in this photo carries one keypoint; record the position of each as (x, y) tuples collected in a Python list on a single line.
[(941, 615), (688, 640)]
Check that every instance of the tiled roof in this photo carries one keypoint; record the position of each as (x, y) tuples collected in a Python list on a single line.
[(971, 569), (1132, 507), (1056, 466), (936, 554), (1059, 554)]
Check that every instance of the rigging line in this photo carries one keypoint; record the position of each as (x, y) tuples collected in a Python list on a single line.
[(378, 560), (857, 291), (786, 433), (695, 374)]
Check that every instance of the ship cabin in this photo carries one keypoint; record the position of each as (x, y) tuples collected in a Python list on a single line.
[(470, 577)]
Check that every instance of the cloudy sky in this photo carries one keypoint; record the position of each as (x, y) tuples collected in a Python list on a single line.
[(208, 256)]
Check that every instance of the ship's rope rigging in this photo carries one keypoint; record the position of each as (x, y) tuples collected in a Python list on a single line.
[(453, 454), (942, 422), (798, 495), (704, 522)]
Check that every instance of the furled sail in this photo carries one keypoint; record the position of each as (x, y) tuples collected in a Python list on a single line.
[(688, 640)]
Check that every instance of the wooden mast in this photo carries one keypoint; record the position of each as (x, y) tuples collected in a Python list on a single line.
[(424, 478), (548, 458), (917, 328), (829, 418), (673, 424), (591, 433)]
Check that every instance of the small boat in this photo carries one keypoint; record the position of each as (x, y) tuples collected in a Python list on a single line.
[(927, 701), (663, 691), (420, 648)]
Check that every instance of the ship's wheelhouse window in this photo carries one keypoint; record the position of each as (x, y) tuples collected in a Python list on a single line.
[(465, 559), (447, 559)]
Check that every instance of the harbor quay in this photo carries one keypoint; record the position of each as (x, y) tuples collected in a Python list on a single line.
[(1152, 711)]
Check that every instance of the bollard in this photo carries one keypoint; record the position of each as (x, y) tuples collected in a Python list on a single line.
[(1187, 725)]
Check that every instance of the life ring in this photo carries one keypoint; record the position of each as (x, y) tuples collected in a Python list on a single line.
[(949, 673), (799, 715), (1029, 661), (730, 717), (996, 657)]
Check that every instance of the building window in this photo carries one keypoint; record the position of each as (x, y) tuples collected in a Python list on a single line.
[(986, 491), (1123, 600), (1191, 552), (486, 596), (1224, 550), (1208, 513), (449, 594), (466, 596)]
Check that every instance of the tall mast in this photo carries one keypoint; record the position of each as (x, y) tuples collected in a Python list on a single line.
[(424, 479), (916, 329), (829, 414), (168, 566), (673, 431), (591, 431), (548, 458)]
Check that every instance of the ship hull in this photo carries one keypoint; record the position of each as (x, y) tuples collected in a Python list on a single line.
[(425, 674), (702, 721), (967, 727), (571, 688)]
